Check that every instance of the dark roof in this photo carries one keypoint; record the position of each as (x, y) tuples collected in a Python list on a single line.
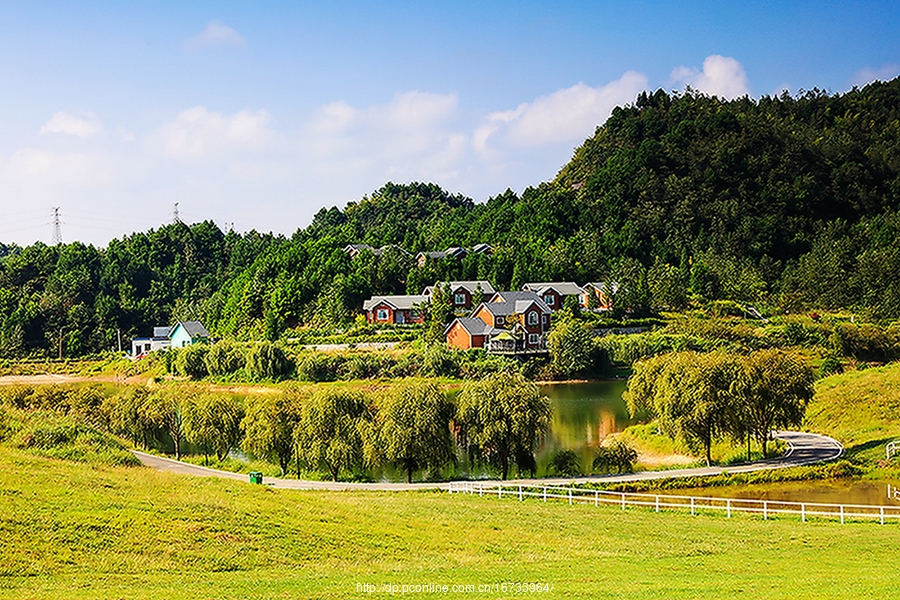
[(471, 286), (195, 329), (472, 325), (518, 300), (563, 288), (396, 302)]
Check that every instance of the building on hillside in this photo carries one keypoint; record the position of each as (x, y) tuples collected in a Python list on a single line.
[(465, 333), (514, 323), (603, 292), (482, 249), (554, 294), (422, 258), (187, 333), (158, 341), (355, 250), (395, 309), (463, 292)]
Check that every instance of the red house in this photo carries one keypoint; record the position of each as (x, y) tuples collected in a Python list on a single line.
[(395, 309), (462, 292), (554, 294)]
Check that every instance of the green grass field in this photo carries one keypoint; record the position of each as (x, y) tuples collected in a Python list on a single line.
[(74, 530), (859, 408)]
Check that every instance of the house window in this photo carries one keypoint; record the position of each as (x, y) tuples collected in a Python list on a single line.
[(550, 299), (459, 299), (382, 314), (501, 320), (146, 347), (414, 315), (546, 317), (533, 318), (533, 339)]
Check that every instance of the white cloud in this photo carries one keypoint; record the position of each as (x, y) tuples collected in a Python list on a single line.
[(215, 34), (406, 137), (197, 134), (567, 115), (722, 76), (867, 75), (63, 122)]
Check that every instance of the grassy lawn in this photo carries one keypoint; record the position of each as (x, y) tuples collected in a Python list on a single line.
[(859, 408), (85, 531)]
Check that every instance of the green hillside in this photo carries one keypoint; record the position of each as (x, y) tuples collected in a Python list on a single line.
[(792, 203)]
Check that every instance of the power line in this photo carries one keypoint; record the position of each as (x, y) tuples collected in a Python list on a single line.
[(176, 219)]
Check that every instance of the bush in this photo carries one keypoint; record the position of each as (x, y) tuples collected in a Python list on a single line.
[(267, 361), (319, 366), (565, 463), (866, 342), (224, 358), (68, 439), (830, 366), (190, 361), (618, 454), (440, 361)]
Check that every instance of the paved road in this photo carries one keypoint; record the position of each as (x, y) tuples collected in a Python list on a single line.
[(803, 449)]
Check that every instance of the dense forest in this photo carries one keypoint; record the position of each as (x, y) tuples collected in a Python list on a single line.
[(788, 202)]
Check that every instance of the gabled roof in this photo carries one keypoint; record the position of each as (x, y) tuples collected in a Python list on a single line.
[(432, 255), (455, 251), (482, 248), (518, 301), (471, 286), (472, 326), (563, 288), (395, 302), (195, 329)]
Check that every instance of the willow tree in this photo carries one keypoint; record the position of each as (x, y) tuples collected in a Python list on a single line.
[(333, 430), (414, 428), (268, 426), (213, 422), (505, 418), (691, 394), (775, 392)]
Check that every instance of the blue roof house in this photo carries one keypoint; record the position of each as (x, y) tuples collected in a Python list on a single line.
[(186, 333)]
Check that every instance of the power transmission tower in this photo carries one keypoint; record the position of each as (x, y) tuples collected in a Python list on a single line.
[(57, 230), (176, 218)]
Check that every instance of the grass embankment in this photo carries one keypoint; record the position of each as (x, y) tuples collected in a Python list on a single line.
[(861, 409), (74, 530)]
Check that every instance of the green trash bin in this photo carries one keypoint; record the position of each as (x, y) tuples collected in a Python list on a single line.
[(255, 477)]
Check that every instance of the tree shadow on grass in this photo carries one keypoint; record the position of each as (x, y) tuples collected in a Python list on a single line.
[(861, 449)]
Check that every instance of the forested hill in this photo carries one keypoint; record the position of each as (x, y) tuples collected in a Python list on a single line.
[(785, 201)]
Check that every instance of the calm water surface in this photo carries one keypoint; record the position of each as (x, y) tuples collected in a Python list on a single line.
[(583, 414)]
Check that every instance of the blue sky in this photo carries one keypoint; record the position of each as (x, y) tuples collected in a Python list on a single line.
[(258, 114)]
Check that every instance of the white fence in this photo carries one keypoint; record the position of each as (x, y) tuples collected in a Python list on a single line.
[(892, 448), (694, 504)]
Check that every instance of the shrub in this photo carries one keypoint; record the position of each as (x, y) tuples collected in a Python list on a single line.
[(69, 439), (618, 454), (267, 361), (565, 463), (319, 366), (830, 366), (440, 361), (224, 358), (190, 361)]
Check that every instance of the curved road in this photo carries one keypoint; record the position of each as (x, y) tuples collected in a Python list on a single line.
[(803, 449)]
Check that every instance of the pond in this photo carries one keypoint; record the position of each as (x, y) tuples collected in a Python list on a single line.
[(878, 493), (583, 414)]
